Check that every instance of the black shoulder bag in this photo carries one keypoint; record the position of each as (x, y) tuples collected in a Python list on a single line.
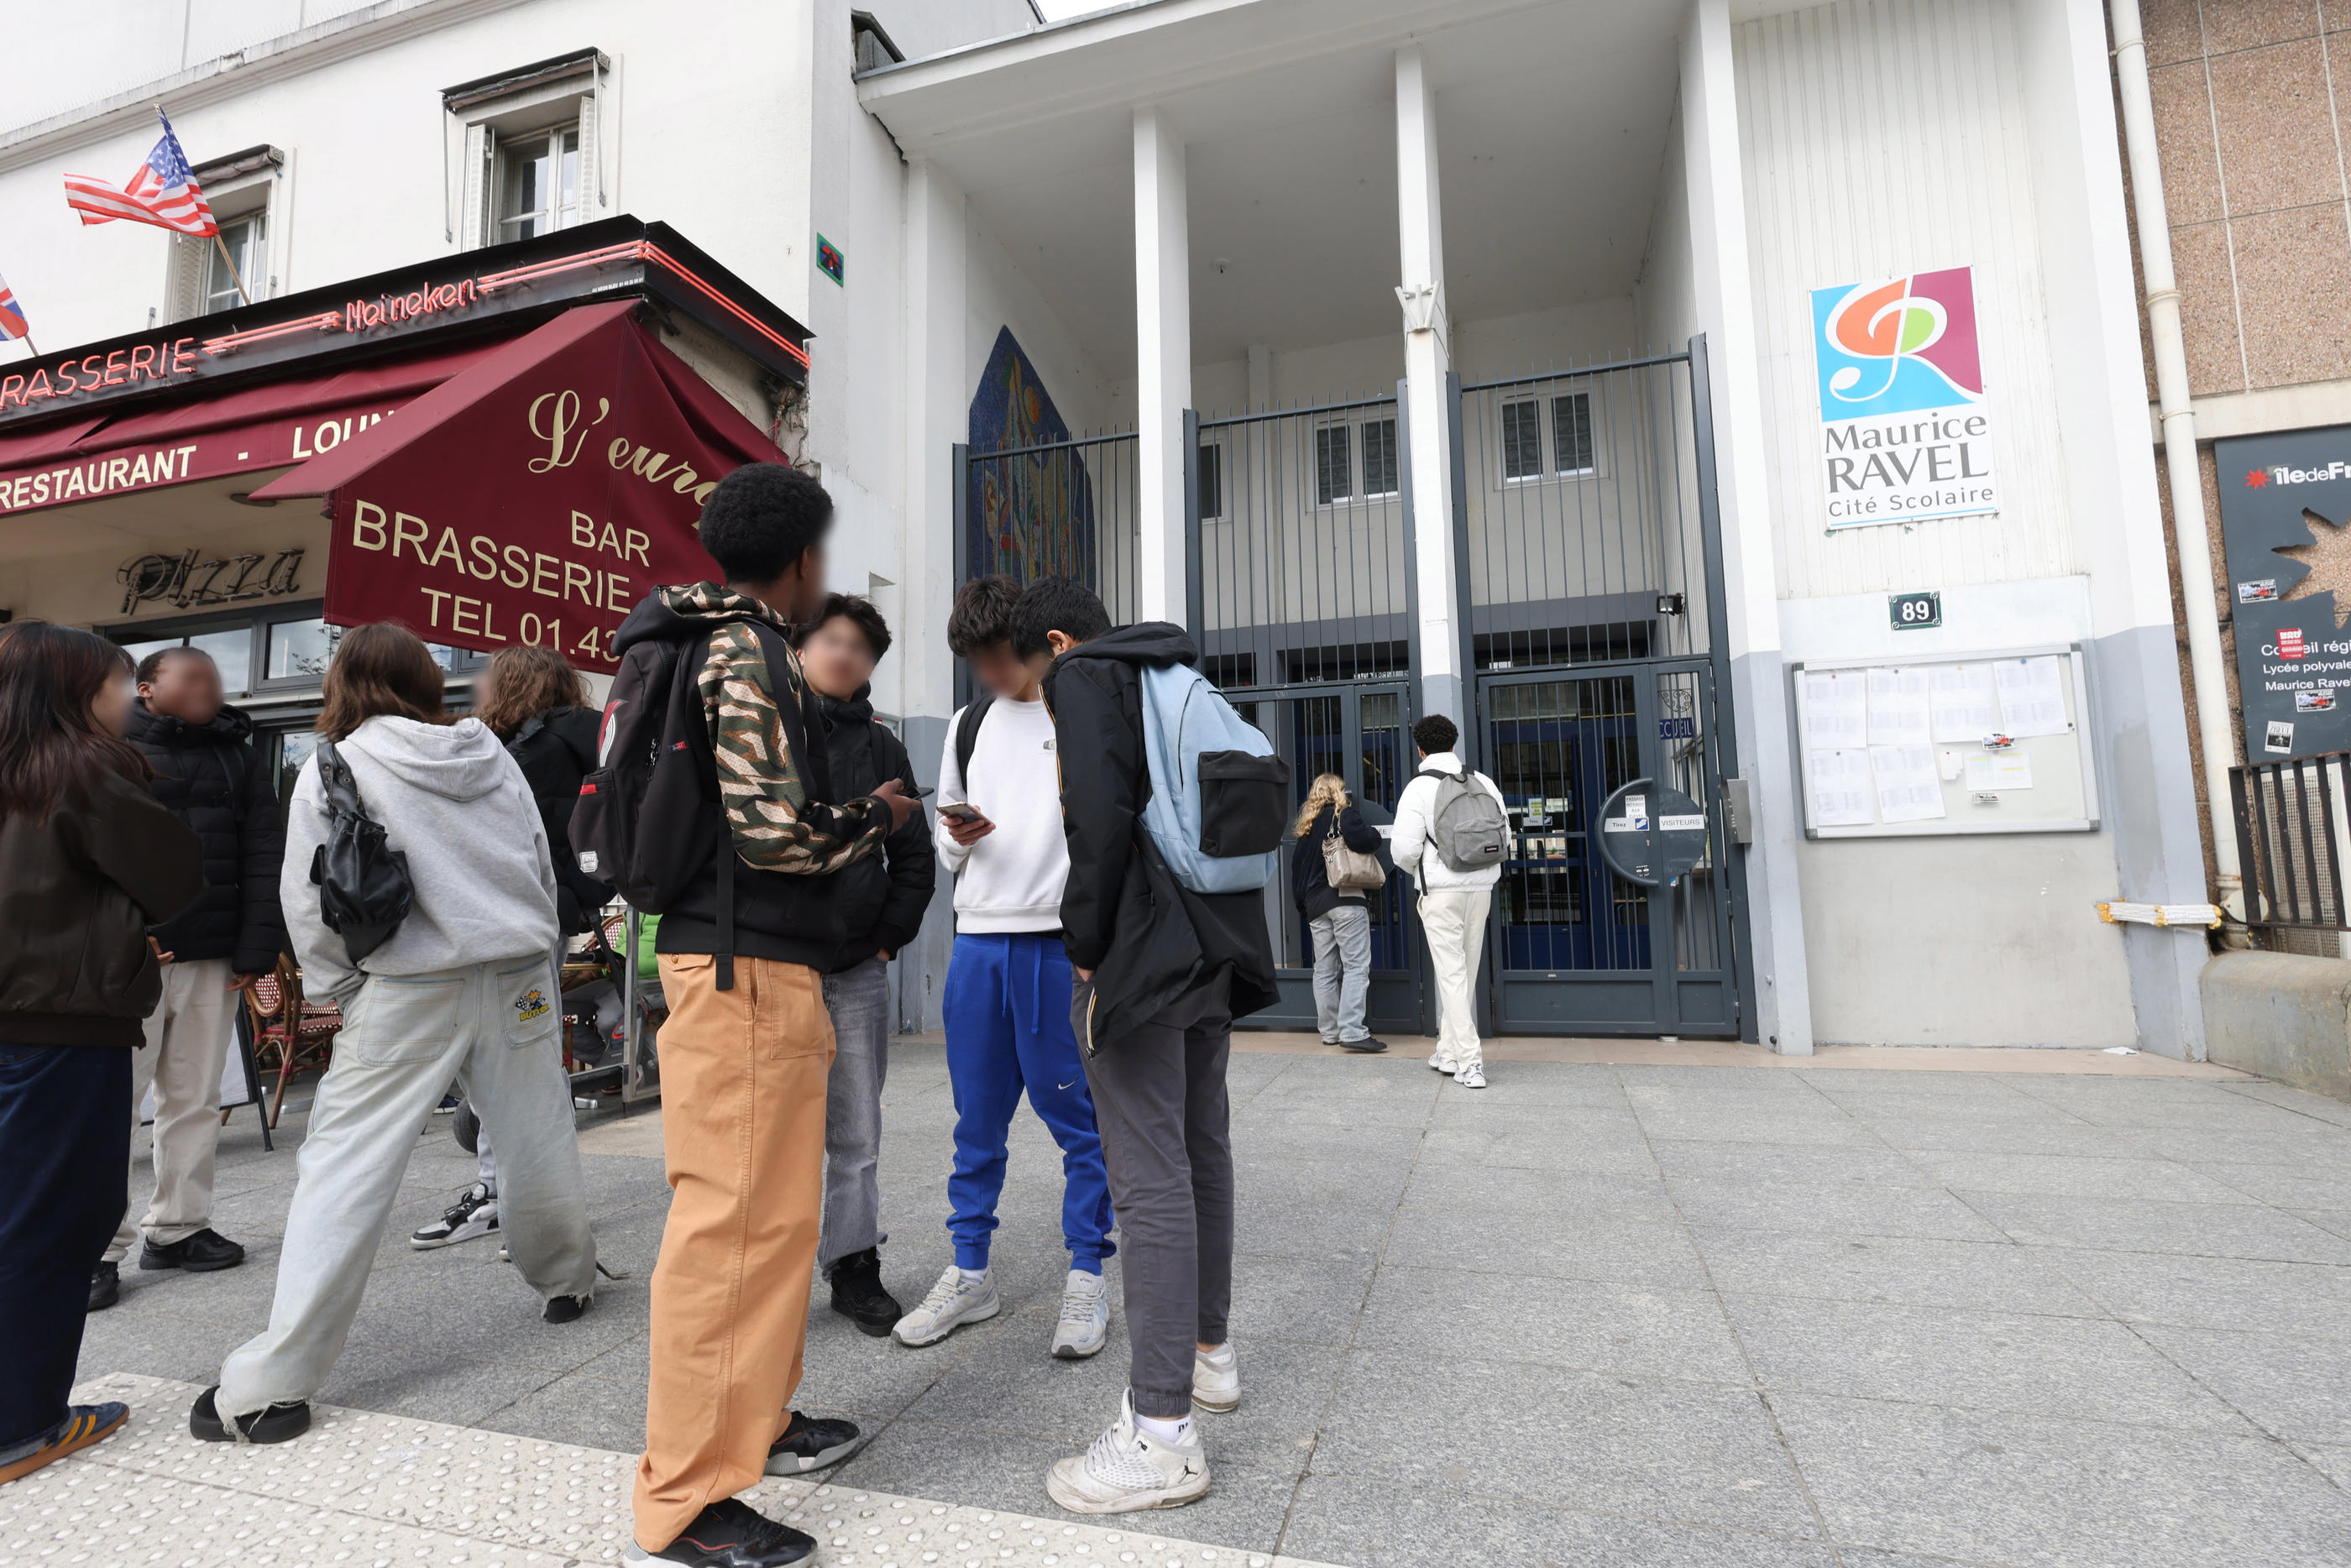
[(364, 890)]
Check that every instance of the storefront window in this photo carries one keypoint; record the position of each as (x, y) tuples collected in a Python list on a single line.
[(231, 648), (301, 649), (291, 749)]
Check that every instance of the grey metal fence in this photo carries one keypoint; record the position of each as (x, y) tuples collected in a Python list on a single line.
[(2291, 836), (1066, 508)]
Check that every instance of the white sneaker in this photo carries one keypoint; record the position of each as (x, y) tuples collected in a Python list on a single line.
[(1473, 1076), (476, 1213), (1217, 1379), (1437, 1060), (952, 1301), (1085, 1317), (1126, 1470)]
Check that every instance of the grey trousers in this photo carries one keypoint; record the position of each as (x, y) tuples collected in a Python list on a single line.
[(1343, 969), (1166, 1131), (859, 1001), (492, 1027)]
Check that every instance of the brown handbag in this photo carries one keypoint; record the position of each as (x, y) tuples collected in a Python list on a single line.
[(1347, 868)]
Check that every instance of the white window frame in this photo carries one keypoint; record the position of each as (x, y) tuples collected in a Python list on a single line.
[(1547, 454), (483, 117), (258, 182), (1359, 492)]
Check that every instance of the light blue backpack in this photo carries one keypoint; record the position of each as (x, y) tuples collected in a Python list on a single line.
[(1220, 797)]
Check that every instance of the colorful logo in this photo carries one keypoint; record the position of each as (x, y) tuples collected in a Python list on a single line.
[(531, 1004), (1897, 344)]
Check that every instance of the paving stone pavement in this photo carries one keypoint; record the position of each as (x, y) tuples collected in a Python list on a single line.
[(1650, 1316)]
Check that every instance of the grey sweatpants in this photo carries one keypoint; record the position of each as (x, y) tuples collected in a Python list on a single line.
[(1166, 1131), (859, 1001)]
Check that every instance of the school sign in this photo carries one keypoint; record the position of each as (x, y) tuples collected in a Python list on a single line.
[(1906, 434)]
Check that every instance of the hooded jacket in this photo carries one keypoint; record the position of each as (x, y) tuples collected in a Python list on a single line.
[(78, 890), (213, 778), (1148, 939), (1310, 879), (881, 898), (451, 801), (555, 753)]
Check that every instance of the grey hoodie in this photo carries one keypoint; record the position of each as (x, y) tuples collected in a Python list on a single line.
[(454, 802)]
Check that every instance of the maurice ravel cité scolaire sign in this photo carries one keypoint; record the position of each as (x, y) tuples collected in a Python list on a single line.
[(1906, 434)]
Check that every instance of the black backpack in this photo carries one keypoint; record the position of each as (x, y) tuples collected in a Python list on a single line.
[(968, 734), (364, 890)]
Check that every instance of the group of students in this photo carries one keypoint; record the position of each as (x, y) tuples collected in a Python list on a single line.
[(741, 787)]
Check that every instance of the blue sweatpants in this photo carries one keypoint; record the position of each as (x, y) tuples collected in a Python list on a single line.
[(1007, 1021)]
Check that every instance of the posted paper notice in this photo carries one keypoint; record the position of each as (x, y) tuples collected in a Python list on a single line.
[(1897, 706), (1907, 789), (2000, 772), (2032, 696), (1841, 789), (1964, 700), (1836, 710)]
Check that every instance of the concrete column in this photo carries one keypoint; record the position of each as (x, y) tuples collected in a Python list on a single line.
[(937, 397), (1162, 339), (1427, 359), (1726, 311)]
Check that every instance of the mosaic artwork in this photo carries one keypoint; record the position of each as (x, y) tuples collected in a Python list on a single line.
[(1030, 514)]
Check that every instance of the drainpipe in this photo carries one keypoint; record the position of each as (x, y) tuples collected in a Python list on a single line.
[(2206, 675)]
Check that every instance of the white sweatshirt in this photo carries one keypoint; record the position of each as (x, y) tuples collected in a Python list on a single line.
[(1012, 880), (1408, 844)]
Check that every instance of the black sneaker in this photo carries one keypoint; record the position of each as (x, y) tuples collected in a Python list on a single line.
[(1369, 1045), (809, 1444), (278, 1424), (201, 1253), (105, 1287), (566, 1309), (728, 1535), (858, 1295), (83, 1425)]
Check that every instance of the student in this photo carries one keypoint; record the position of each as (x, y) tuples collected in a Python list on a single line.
[(89, 860), (536, 704), (1161, 974), (207, 773), (459, 990), (1006, 1003), (747, 1045), (1453, 902), (1340, 917), (881, 899)]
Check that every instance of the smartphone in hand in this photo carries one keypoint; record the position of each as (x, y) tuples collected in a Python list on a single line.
[(962, 811)]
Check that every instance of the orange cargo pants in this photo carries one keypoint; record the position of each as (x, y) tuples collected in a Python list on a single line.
[(743, 1085)]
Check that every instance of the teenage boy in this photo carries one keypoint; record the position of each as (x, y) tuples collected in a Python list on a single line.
[(1161, 974), (208, 774), (881, 899), (1007, 1005), (1453, 902), (747, 1045)]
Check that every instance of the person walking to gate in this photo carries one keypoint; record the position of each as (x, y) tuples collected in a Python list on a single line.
[(459, 990), (881, 899), (89, 860), (1340, 917), (1006, 1003), (1450, 835), (536, 704), (207, 773)]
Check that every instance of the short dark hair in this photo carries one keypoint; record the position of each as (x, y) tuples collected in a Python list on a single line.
[(152, 664), (982, 616), (1435, 734), (862, 613), (1056, 604), (763, 517)]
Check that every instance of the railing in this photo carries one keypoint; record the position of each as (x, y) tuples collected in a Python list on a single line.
[(1065, 508), (2291, 833)]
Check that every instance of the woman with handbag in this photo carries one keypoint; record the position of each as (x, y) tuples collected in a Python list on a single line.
[(1336, 864), (418, 894)]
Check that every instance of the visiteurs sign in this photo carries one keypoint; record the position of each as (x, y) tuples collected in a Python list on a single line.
[(1905, 431)]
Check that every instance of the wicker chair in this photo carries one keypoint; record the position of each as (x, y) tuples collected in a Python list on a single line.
[(289, 1034)]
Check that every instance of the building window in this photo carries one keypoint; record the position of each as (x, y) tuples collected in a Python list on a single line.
[(1334, 473), (1210, 476), (1572, 451), (244, 189), (1571, 425), (538, 184), (1379, 457), (1522, 440), (301, 650), (243, 238), (232, 649)]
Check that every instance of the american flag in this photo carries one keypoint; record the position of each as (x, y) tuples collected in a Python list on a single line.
[(162, 191), (12, 315)]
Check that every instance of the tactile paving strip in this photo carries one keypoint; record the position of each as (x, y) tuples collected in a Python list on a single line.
[(363, 1490)]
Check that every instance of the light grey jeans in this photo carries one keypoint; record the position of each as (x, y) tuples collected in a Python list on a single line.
[(486, 1164), (859, 1001), (492, 1027), (1343, 969)]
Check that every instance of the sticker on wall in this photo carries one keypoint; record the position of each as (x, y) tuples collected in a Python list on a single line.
[(2280, 738), (2257, 592), (2313, 701), (830, 262), (1906, 434)]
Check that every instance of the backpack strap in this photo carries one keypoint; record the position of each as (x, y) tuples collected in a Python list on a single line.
[(968, 734)]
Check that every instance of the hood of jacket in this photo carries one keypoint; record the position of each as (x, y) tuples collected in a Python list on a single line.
[(1146, 642), (674, 614), (459, 761), (229, 727)]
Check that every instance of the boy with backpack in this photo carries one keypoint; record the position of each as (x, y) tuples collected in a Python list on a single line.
[(1451, 834), (1172, 809), (1006, 1003), (711, 807)]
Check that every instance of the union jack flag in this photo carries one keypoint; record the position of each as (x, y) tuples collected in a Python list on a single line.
[(12, 315), (162, 191)]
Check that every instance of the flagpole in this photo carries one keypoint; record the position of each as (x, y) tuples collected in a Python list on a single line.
[(234, 276)]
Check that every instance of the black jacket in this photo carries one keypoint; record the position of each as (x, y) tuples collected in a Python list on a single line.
[(214, 779), (555, 751), (882, 897), (77, 891), (1310, 883), (1122, 914)]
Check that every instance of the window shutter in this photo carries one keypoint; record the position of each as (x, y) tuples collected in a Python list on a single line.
[(190, 260), (474, 201), (590, 171)]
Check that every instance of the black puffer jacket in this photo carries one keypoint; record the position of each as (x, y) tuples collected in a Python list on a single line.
[(555, 751), (882, 897), (214, 778), (1309, 882)]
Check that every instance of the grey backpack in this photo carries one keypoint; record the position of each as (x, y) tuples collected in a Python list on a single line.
[(1466, 824)]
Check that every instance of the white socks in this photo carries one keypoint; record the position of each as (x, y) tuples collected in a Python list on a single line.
[(1174, 1434), (973, 1277)]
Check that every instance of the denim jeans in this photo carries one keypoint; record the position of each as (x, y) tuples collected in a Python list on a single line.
[(859, 1001), (1343, 969)]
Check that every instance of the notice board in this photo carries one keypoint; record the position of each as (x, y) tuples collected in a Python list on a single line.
[(1891, 748)]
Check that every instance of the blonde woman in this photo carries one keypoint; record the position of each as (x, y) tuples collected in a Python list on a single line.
[(1340, 917)]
